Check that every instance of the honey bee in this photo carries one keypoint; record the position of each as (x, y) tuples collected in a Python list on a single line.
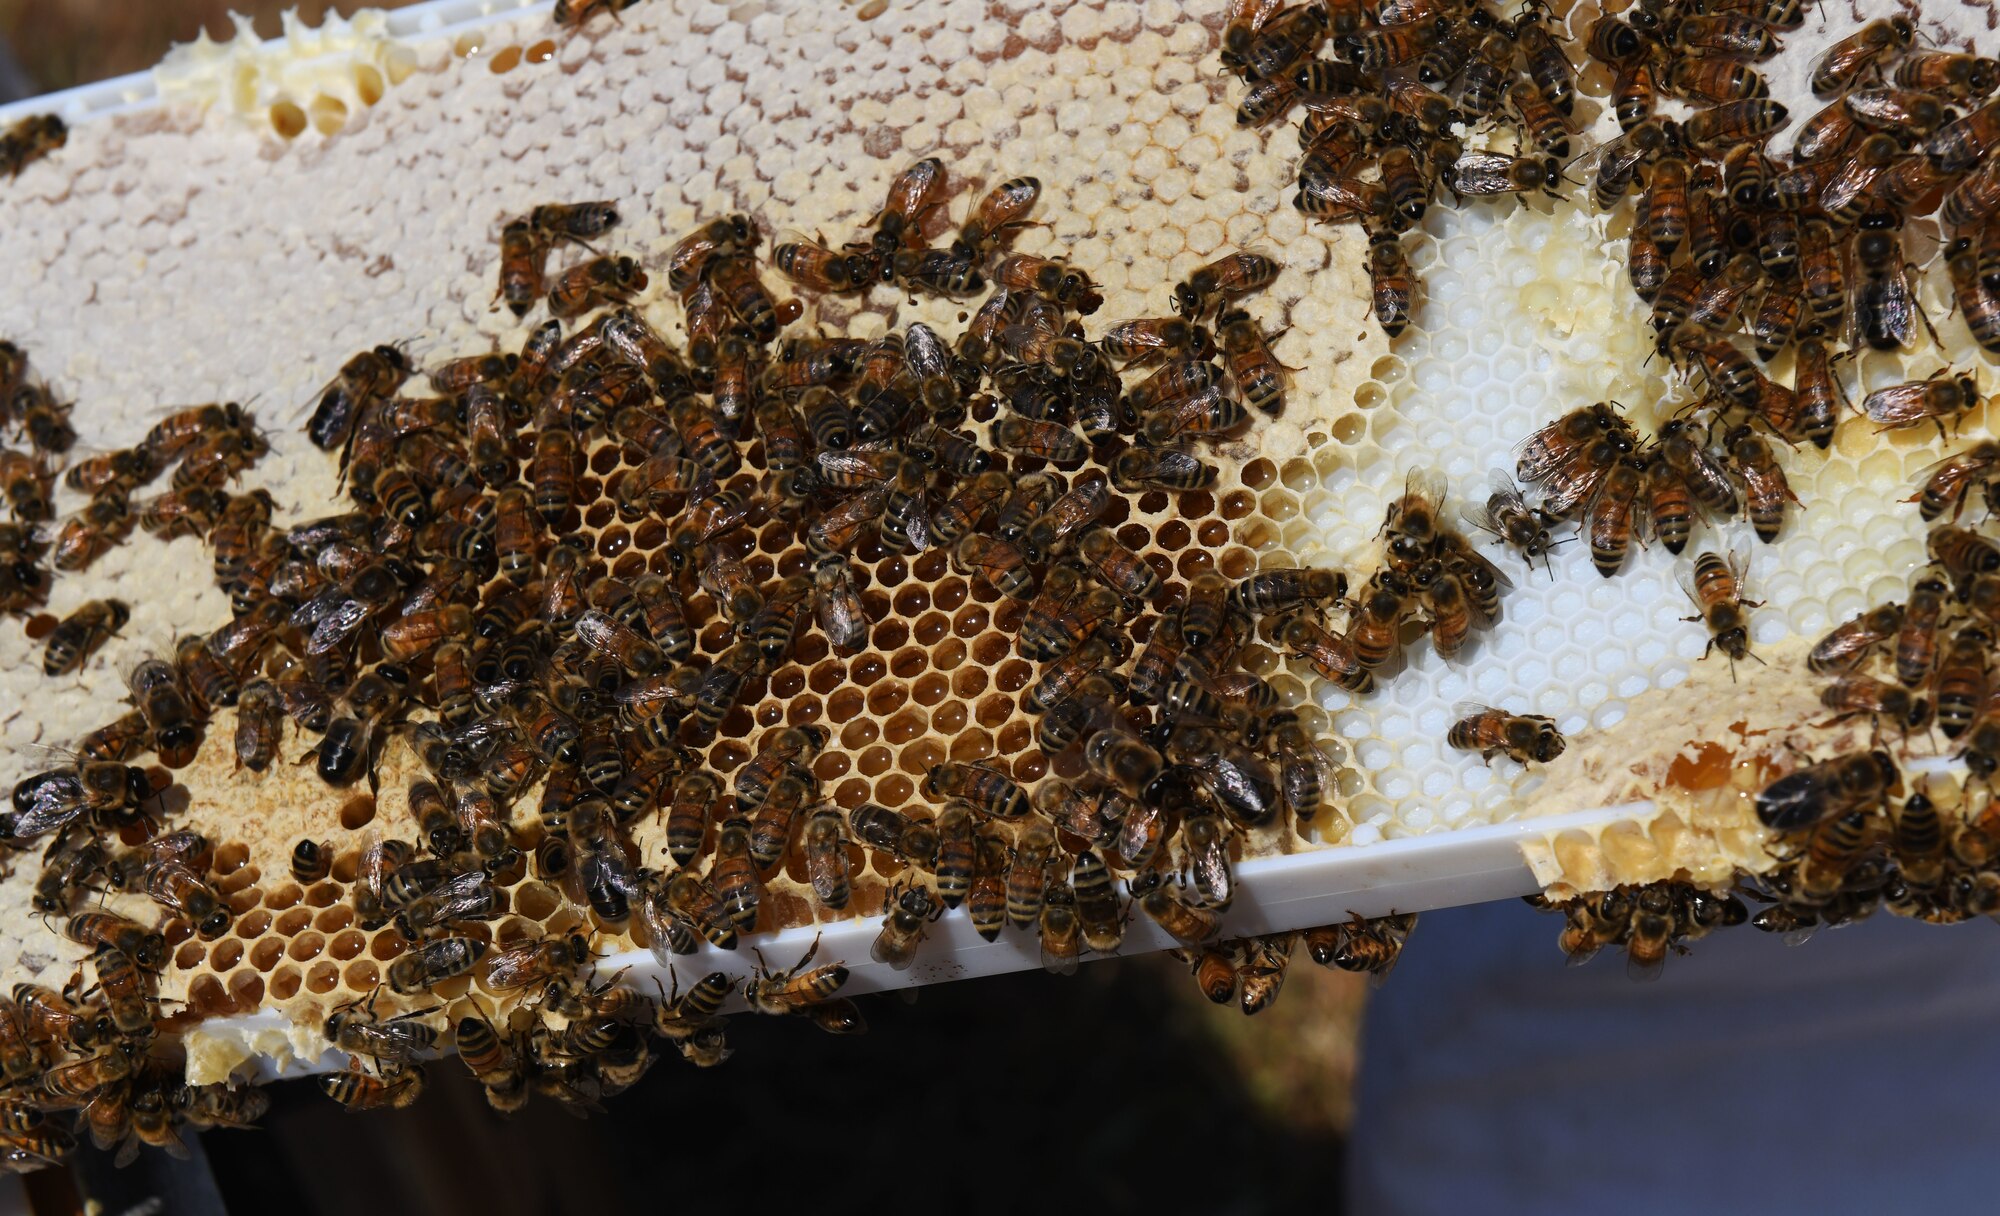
[(1335, 658), (1223, 279), (1943, 395), (1369, 947), (1979, 307), (1507, 515), (731, 234), (400, 1088), (29, 140), (1765, 489), (908, 912), (913, 194), (553, 473), (600, 280), (1962, 682), (179, 889), (1818, 393), (996, 562), (1817, 792), (1118, 567), (1523, 738), (365, 379), (1859, 52), (989, 790), (79, 635), (1138, 469), (26, 483), (1848, 644), (1718, 592), (1391, 285), (1883, 308), (431, 963), (523, 252), (1613, 514), (157, 693)]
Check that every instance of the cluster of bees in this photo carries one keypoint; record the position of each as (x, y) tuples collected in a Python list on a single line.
[(1923, 664), (29, 140), (456, 613), (1378, 138), (1804, 254), (1648, 919), (1251, 971)]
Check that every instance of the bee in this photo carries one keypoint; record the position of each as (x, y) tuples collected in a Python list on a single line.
[(1979, 307), (523, 252), (909, 910), (431, 963), (1126, 761), (1823, 280), (998, 563), (913, 194), (1777, 318), (1818, 792), (1946, 482), (45, 423), (990, 791), (1846, 60), (1547, 65), (1613, 513), (1391, 286), (733, 872), (1139, 469), (79, 635), (259, 724), (1943, 395), (1848, 644), (1408, 189), (1043, 440), (1368, 947), (1118, 567), (1050, 534), (826, 858), (553, 473), (156, 691), (1818, 393), (1916, 634), (365, 379), (1718, 593), (107, 930), (1962, 682), (731, 234), (26, 483), (1479, 174), (1150, 339), (1732, 122), (1882, 307), (29, 140), (398, 1040), (1765, 490), (600, 280), (535, 962), (1258, 372), (1335, 658), (1507, 515), (400, 1088), (1225, 278), (1635, 92), (813, 265), (1523, 738), (1486, 72), (178, 888), (1669, 505), (1061, 936), (312, 860), (793, 989)]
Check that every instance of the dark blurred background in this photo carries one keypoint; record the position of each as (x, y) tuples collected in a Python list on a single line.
[(1121, 1087), (54, 44)]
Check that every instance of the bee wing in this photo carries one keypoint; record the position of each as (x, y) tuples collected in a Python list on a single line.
[(1896, 404), (337, 626), (1428, 482), (1461, 710)]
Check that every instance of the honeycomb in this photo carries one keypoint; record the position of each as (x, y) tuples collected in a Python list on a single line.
[(1146, 175)]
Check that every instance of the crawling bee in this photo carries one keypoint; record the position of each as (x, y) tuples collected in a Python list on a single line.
[(1491, 732)]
